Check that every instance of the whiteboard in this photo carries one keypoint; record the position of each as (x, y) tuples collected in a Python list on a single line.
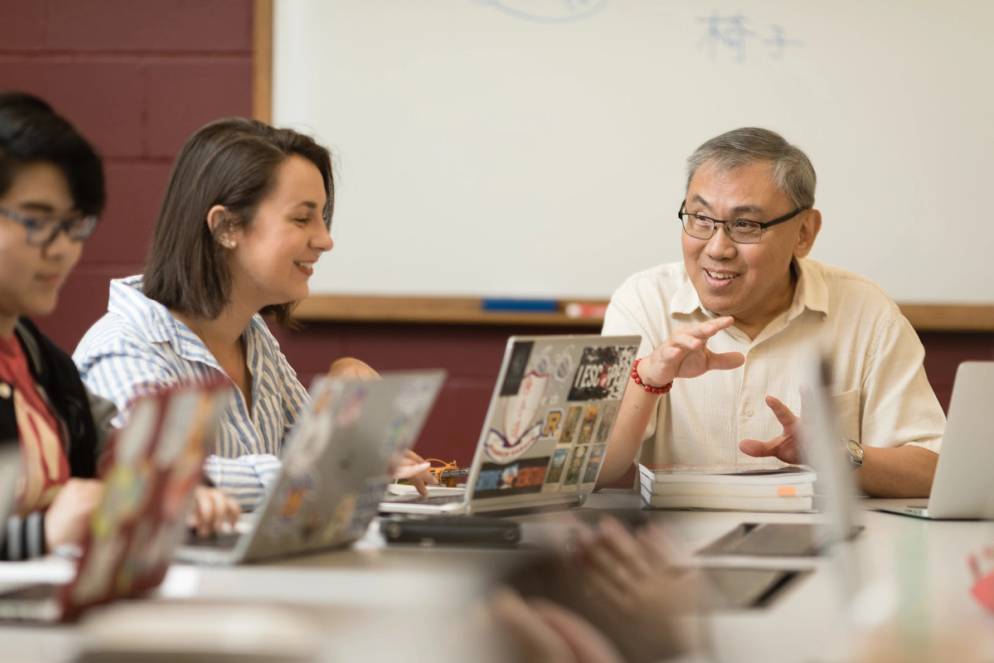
[(537, 148)]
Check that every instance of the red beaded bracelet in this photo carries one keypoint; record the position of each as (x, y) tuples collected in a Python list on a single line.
[(648, 387)]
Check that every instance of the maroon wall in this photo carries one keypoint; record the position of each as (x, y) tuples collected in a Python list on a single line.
[(138, 77)]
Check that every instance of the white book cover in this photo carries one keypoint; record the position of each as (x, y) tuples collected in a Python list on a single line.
[(746, 475), (727, 502), (691, 489)]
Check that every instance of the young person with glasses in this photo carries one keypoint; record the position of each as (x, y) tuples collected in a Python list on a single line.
[(51, 194), (724, 330), (246, 216)]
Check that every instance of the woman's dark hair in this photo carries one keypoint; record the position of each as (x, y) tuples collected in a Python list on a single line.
[(230, 162), (31, 132)]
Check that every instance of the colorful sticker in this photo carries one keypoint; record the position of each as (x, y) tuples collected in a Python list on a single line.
[(609, 412), (309, 526), (294, 496), (126, 493), (350, 406), (134, 439), (575, 465), (564, 366), (340, 519), (93, 578), (520, 428), (522, 476), (308, 442), (594, 464), (587, 426), (542, 363), (188, 412), (502, 449), (602, 373), (572, 420), (557, 464), (516, 368), (552, 421)]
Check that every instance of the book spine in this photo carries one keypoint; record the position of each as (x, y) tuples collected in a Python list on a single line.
[(728, 490), (728, 503)]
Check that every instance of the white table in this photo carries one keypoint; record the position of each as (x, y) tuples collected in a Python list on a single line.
[(375, 601)]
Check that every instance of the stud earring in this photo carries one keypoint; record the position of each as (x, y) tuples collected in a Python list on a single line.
[(228, 243)]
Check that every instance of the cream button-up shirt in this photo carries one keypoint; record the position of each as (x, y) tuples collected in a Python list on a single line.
[(882, 396)]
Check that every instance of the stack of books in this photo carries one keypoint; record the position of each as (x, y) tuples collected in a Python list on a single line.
[(727, 487)]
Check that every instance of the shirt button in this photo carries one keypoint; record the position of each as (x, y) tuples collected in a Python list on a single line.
[(748, 412)]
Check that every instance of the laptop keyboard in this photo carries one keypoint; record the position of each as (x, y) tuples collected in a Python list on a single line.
[(418, 499), (215, 541)]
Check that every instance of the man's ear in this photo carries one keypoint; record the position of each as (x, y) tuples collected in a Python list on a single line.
[(219, 225), (810, 227)]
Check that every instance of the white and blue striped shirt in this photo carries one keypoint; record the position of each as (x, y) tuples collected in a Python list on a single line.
[(139, 346)]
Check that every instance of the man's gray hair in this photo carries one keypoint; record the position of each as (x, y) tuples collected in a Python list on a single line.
[(792, 170)]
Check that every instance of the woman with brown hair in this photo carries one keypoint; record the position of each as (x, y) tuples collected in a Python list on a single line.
[(245, 217)]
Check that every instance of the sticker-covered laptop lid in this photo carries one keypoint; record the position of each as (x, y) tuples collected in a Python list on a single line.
[(157, 460), (336, 461), (549, 421)]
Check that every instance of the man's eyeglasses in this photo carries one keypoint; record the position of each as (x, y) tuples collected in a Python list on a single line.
[(740, 231), (42, 231)]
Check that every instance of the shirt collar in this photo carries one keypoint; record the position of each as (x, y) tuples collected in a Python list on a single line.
[(685, 300), (811, 293), (156, 322)]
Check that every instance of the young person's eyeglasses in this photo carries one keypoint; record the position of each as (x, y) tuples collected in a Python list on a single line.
[(42, 230), (740, 231)]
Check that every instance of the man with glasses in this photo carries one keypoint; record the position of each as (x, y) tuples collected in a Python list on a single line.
[(724, 332)]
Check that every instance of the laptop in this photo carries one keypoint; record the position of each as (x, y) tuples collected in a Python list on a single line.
[(835, 487), (546, 429), (334, 470), (962, 488), (157, 461)]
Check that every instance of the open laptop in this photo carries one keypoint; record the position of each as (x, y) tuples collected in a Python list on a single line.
[(962, 488), (157, 461), (335, 469), (835, 488), (546, 429)]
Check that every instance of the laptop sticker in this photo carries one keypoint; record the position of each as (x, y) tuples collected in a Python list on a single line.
[(308, 442), (94, 578), (572, 421), (564, 365), (608, 413), (351, 405), (522, 476), (521, 429), (552, 421), (341, 518), (602, 373), (543, 362), (575, 465), (516, 368), (556, 465), (596, 456), (587, 425)]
